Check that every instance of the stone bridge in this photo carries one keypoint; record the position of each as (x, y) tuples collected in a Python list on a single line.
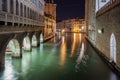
[(19, 37)]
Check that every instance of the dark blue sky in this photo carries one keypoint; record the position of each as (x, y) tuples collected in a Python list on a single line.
[(70, 9)]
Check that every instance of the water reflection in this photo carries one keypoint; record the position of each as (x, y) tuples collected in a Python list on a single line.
[(113, 77), (9, 73), (26, 62), (73, 45), (52, 61), (63, 51), (76, 40), (81, 54), (81, 62)]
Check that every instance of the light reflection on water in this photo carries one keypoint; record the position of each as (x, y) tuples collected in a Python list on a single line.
[(9, 73), (63, 51), (73, 45), (81, 62), (67, 58), (113, 77)]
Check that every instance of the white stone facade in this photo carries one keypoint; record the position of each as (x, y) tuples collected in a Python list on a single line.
[(22, 12)]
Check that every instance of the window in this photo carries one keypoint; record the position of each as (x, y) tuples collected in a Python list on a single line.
[(103, 0), (11, 6), (21, 9), (17, 7), (28, 12), (24, 11), (4, 5)]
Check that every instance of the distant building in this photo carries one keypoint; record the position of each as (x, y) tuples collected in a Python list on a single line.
[(72, 25), (50, 18), (103, 22)]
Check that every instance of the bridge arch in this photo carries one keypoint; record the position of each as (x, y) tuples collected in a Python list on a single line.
[(34, 41), (113, 48), (13, 48), (41, 38), (26, 43)]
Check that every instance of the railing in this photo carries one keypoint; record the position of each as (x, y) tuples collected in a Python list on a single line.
[(111, 4), (11, 29), (6, 17), (2, 16)]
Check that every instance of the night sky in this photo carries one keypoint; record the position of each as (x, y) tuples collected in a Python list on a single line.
[(70, 9)]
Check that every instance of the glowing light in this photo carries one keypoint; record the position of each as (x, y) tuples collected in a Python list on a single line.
[(82, 27), (63, 31)]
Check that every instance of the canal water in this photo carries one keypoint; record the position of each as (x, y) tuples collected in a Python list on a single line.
[(65, 57)]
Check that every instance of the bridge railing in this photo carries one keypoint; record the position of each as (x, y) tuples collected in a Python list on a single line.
[(111, 4)]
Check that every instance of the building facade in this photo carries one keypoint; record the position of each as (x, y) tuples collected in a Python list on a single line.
[(72, 25), (22, 12), (21, 24), (103, 22), (50, 19)]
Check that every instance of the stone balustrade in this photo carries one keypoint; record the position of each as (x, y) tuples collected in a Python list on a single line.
[(6, 17)]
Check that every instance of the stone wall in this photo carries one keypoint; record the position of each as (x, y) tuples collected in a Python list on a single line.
[(110, 23)]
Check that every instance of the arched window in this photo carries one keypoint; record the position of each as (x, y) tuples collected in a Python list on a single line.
[(112, 48)]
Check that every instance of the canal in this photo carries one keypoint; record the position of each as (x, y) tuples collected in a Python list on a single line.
[(65, 57)]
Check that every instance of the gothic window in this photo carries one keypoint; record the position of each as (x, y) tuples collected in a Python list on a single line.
[(113, 48)]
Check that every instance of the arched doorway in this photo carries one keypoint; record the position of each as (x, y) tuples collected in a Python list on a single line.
[(26, 44), (112, 48), (34, 41), (12, 49), (41, 38)]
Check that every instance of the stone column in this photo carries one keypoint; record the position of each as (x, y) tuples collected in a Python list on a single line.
[(1, 61)]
